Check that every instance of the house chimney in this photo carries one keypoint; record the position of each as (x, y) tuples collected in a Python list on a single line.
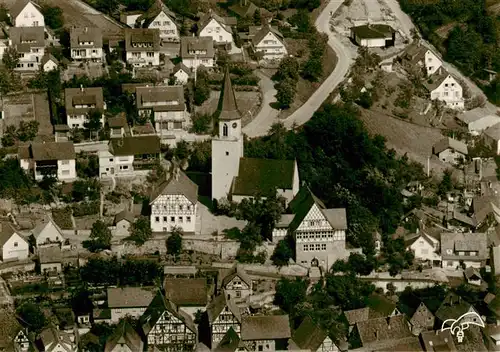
[(81, 87)]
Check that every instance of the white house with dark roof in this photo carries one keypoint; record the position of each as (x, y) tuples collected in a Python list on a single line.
[(13, 337), (181, 73), (216, 27), (49, 158), (26, 13), (166, 106), (450, 150), (386, 333), (197, 51), (373, 35), (174, 203), (424, 247), (122, 222), (30, 45), (418, 54), (188, 294), (142, 47), (13, 246), (51, 260), (47, 234), (265, 333), (491, 135), (269, 42), (131, 301), (54, 340), (124, 339), (467, 248), (311, 337), (444, 87), (161, 18), (118, 126), (237, 284), (128, 155), (49, 63), (479, 119), (281, 227), (130, 17), (223, 314), (79, 102), (86, 43)]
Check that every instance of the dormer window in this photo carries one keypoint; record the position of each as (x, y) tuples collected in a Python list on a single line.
[(225, 130)]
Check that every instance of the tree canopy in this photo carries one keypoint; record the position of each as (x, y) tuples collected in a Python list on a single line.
[(100, 237)]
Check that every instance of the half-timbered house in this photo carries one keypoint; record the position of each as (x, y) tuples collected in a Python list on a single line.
[(223, 314), (167, 328), (174, 203), (237, 284)]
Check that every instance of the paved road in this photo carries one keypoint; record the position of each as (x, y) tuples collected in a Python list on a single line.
[(305, 112), (267, 115)]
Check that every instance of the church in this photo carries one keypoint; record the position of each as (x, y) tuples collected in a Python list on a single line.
[(235, 177)]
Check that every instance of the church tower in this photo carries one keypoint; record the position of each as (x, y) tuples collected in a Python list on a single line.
[(227, 146)]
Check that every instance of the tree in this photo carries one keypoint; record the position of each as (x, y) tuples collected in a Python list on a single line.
[(107, 6), (257, 18), (53, 16), (288, 68), (9, 137), (285, 93), (201, 87), (10, 58), (140, 231), (446, 184), (302, 20), (289, 293), (27, 131), (262, 212), (100, 237), (282, 253), (32, 316), (174, 242), (93, 122), (5, 81)]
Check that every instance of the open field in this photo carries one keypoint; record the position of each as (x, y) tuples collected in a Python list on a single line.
[(405, 137)]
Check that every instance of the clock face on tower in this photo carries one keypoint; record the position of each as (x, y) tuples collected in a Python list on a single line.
[(235, 125)]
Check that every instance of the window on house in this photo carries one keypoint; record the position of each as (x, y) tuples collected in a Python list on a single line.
[(188, 207), (157, 219), (172, 218), (227, 153), (318, 247), (180, 219), (181, 207), (16, 244), (323, 246), (445, 94), (110, 160), (225, 130), (165, 218), (306, 248), (238, 294), (188, 219)]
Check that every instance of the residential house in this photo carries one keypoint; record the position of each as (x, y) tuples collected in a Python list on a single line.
[(424, 247), (236, 177), (131, 301), (237, 284), (318, 232), (30, 45), (373, 35), (222, 314), (246, 8), (124, 339), (49, 63), (12, 337), (216, 27), (197, 51), (473, 276), (142, 47), (26, 13), (13, 246), (166, 327), (269, 43), (52, 339), (165, 106), (128, 155), (438, 341), (418, 54), (188, 294), (485, 207), (231, 342), (174, 203), (265, 333), (181, 73), (50, 259), (49, 159), (161, 18), (420, 318), (377, 306), (79, 102), (467, 248), (118, 126), (281, 227), (450, 150), (122, 222), (444, 87), (453, 307), (479, 119), (491, 136), (383, 333), (86, 43), (130, 17), (311, 337), (61, 133), (48, 233), (4, 43)]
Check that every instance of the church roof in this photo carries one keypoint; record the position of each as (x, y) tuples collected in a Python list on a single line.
[(227, 109)]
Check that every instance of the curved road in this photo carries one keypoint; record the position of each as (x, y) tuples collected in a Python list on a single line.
[(267, 116)]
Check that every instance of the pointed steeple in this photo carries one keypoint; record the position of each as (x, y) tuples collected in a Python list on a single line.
[(227, 109)]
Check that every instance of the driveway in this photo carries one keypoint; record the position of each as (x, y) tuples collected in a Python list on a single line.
[(267, 115)]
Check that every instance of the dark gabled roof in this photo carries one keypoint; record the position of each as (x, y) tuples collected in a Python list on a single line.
[(177, 184), (357, 315), (438, 341), (422, 316), (450, 143), (266, 327), (172, 98), (124, 334), (117, 121), (230, 342), (52, 254), (217, 306), (435, 80), (372, 31), (472, 273), (380, 305), (309, 336), (452, 307), (262, 177), (227, 108), (125, 214), (375, 331), (142, 36), (237, 270), (186, 292), (155, 310), (85, 34), (264, 31), (73, 96), (6, 232), (25, 38), (19, 5), (154, 11), (181, 66), (129, 297), (52, 151), (204, 46), (135, 145), (205, 20), (9, 328), (48, 57)]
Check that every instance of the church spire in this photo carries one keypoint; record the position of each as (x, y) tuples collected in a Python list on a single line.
[(227, 109)]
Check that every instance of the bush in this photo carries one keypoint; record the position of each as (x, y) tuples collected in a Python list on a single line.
[(202, 124), (86, 208), (62, 218)]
